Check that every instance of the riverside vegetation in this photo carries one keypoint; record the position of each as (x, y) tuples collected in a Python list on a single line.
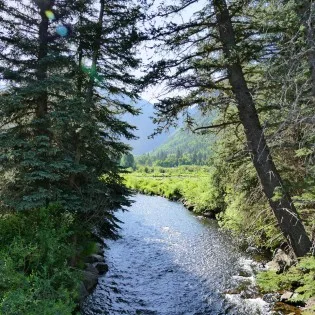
[(253, 63)]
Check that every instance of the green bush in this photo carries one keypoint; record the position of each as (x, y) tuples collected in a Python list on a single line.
[(300, 279), (35, 276)]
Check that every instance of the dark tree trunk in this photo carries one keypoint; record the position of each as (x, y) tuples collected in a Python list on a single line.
[(283, 208), (41, 109), (306, 13)]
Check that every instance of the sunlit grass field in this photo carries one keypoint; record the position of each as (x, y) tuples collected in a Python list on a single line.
[(189, 183)]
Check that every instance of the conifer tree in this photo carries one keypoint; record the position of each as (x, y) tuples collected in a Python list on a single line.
[(217, 56), (35, 73), (66, 67)]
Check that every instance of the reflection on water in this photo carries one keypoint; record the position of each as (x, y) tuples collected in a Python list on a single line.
[(169, 262)]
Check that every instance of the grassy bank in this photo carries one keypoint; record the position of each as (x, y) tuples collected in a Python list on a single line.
[(192, 184)]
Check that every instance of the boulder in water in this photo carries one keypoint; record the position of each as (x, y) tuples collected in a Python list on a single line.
[(90, 280), (94, 259), (101, 268)]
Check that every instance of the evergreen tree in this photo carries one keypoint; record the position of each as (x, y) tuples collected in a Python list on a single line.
[(127, 160), (66, 67), (220, 72), (36, 76)]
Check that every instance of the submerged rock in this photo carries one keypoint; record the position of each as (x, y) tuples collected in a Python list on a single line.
[(271, 297), (209, 214), (94, 259), (101, 268)]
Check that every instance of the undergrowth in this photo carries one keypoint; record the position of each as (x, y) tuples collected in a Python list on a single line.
[(35, 254), (299, 279)]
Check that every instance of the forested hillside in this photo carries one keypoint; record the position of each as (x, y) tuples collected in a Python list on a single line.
[(183, 146), (142, 143)]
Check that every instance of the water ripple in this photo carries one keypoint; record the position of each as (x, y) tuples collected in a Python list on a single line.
[(169, 262)]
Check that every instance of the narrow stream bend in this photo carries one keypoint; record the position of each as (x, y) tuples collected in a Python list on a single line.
[(169, 262)]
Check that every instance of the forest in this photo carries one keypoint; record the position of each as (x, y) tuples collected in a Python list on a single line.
[(68, 70)]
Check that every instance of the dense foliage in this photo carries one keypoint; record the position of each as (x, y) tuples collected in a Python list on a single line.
[(234, 59), (298, 279), (64, 66), (35, 251)]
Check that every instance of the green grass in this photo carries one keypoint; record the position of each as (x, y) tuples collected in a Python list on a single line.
[(190, 183)]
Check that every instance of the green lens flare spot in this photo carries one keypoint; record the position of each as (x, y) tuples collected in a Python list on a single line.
[(50, 15)]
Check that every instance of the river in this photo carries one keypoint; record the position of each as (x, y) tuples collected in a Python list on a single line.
[(170, 262)]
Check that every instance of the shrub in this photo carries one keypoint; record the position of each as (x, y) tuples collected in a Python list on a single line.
[(35, 276), (300, 279)]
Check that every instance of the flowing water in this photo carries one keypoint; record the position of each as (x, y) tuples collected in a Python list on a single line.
[(170, 262)]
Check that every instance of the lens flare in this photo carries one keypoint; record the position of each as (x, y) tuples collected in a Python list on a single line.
[(92, 73), (61, 30), (50, 15)]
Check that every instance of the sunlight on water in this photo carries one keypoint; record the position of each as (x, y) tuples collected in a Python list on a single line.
[(168, 262)]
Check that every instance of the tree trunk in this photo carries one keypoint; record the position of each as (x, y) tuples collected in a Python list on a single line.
[(306, 13), (282, 207), (41, 108)]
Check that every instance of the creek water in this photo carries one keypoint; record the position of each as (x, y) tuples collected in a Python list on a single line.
[(170, 262)]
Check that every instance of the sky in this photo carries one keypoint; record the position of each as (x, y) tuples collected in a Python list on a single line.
[(153, 93)]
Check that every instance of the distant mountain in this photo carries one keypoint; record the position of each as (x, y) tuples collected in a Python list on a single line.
[(179, 141), (186, 141), (183, 147), (145, 127)]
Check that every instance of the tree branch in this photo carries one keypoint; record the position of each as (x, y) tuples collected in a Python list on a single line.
[(217, 126)]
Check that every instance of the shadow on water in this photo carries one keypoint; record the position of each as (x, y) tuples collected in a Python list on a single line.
[(167, 262)]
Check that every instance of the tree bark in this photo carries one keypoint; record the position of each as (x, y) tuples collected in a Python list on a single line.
[(282, 207), (41, 108), (306, 13)]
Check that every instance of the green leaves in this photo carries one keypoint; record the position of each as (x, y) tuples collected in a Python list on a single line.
[(34, 274), (299, 278)]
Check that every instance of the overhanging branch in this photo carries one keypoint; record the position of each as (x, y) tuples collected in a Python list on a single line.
[(217, 126)]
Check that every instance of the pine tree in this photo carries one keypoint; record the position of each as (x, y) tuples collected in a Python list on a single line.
[(217, 58), (67, 68), (36, 79)]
